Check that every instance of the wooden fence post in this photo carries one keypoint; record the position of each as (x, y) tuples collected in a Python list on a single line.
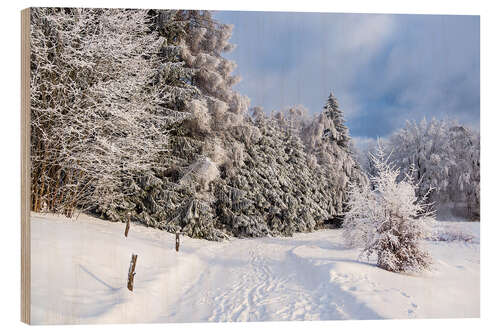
[(177, 241), (131, 272), (128, 225)]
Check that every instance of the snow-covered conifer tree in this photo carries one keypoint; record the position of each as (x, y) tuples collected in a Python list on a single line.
[(333, 112), (389, 220), (200, 42), (327, 133), (326, 138)]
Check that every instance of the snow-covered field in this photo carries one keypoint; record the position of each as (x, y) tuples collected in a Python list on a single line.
[(79, 275)]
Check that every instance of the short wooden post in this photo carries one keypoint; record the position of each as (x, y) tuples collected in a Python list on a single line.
[(127, 228), (177, 241), (131, 272)]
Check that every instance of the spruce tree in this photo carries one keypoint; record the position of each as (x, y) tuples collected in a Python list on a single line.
[(333, 112)]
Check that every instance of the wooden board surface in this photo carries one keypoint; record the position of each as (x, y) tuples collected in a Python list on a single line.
[(25, 168)]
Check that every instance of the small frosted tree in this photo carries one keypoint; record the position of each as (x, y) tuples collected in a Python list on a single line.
[(389, 220)]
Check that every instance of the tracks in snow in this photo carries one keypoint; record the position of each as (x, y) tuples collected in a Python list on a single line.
[(263, 279), (305, 277)]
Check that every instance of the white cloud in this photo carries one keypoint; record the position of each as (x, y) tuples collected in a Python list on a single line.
[(362, 142)]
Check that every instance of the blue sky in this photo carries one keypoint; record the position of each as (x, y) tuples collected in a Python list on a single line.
[(384, 69)]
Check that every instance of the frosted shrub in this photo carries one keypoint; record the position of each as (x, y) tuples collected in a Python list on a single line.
[(389, 220)]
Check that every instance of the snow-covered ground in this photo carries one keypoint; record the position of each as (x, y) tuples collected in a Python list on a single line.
[(79, 275)]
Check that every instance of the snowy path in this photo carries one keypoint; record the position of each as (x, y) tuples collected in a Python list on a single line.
[(79, 276), (268, 281)]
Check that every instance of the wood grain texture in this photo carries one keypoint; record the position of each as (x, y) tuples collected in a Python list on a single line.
[(25, 169), (131, 272)]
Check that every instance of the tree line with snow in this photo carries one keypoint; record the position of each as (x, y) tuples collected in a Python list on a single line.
[(134, 112)]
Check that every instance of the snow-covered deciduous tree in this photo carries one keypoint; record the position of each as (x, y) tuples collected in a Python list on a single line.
[(389, 220), (97, 120), (445, 156), (425, 147), (464, 174)]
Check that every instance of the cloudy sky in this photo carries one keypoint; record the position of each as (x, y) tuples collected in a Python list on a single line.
[(384, 69)]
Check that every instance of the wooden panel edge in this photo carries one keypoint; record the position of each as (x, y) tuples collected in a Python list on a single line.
[(25, 169)]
